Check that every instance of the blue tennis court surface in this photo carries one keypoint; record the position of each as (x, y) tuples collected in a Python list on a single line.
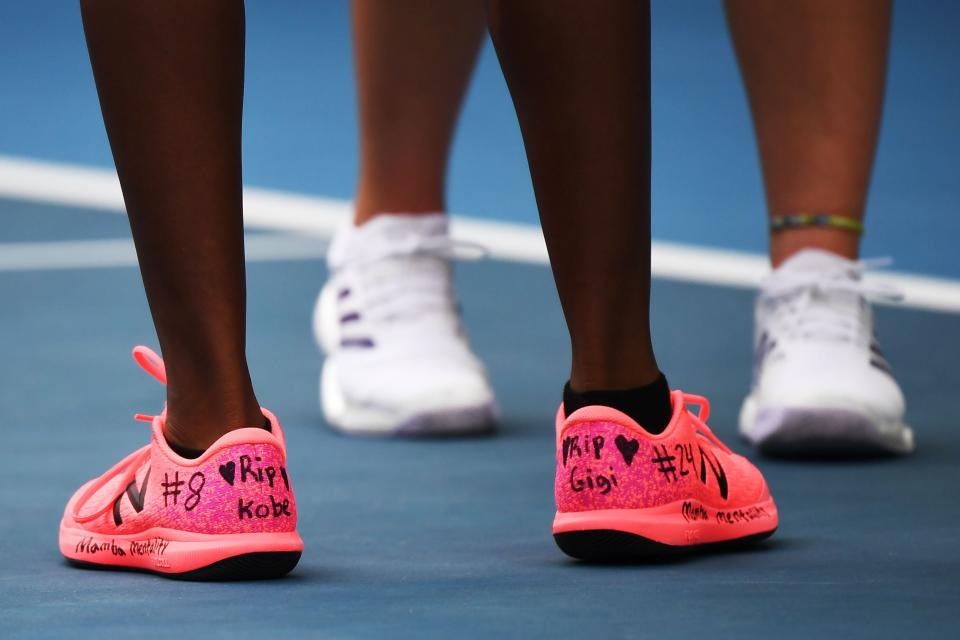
[(452, 538)]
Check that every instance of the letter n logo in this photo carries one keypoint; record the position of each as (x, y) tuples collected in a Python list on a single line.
[(717, 470), (135, 495)]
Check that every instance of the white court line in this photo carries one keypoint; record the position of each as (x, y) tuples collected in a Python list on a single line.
[(300, 215), (119, 252)]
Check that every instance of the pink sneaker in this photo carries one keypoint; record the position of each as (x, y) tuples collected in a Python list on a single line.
[(625, 494), (228, 515)]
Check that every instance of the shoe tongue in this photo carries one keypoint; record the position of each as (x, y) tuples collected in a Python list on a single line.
[(822, 269), (813, 260), (403, 224), (386, 234)]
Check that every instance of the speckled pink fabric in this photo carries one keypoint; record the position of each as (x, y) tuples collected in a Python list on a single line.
[(613, 464), (241, 488)]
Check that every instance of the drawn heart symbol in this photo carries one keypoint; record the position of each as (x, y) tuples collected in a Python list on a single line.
[(228, 471), (628, 448)]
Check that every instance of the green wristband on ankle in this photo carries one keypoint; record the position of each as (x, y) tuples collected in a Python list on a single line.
[(798, 220)]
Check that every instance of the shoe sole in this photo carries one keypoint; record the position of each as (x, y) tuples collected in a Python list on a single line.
[(686, 526), (442, 422), (457, 423), (611, 546), (826, 432), (268, 565), (184, 555)]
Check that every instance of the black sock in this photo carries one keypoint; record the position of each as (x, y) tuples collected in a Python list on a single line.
[(185, 452), (649, 405)]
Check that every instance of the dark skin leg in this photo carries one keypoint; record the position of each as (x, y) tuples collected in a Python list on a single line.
[(413, 63), (579, 74), (170, 79), (814, 71)]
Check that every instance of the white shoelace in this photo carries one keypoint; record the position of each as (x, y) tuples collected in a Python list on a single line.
[(410, 278), (828, 304)]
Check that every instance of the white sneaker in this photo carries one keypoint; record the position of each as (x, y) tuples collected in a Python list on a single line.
[(398, 361), (821, 385)]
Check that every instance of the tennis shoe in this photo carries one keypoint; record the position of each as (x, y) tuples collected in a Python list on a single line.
[(229, 514), (625, 494)]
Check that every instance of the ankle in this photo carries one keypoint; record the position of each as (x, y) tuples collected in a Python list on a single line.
[(615, 372), (648, 405), (197, 435), (369, 205), (196, 423), (787, 242)]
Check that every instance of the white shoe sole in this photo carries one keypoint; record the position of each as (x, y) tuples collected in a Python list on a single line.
[(367, 420), (822, 431)]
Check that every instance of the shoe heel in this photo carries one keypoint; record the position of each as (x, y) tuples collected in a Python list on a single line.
[(608, 545), (611, 546), (261, 565)]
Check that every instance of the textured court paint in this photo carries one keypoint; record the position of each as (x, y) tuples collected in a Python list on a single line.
[(300, 122), (441, 539), (435, 539)]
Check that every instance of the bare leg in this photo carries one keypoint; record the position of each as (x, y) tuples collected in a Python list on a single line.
[(814, 71), (413, 62), (579, 75), (170, 79)]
